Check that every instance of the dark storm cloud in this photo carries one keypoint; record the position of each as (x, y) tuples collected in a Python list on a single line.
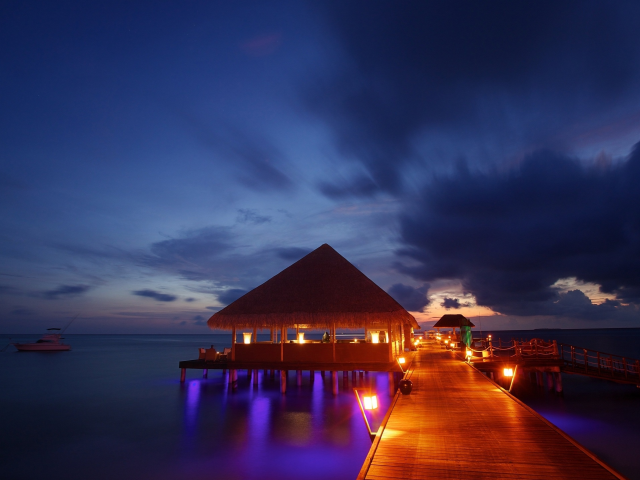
[(412, 299), (258, 161), (161, 297), (509, 237), (65, 291), (247, 215), (450, 303), (228, 296), (457, 70)]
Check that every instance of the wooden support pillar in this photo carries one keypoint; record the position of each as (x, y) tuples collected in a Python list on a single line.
[(361, 374), (255, 335), (271, 336), (558, 381), (183, 375), (550, 381), (298, 377), (283, 381), (389, 343), (233, 343), (312, 376), (249, 375), (333, 341), (205, 373), (539, 380), (322, 374), (334, 381), (282, 337), (272, 374), (233, 375), (345, 379), (255, 376), (353, 377), (392, 384)]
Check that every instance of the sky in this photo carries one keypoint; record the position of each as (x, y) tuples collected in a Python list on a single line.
[(159, 159)]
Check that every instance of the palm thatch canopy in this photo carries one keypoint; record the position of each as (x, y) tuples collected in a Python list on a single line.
[(453, 321), (319, 290)]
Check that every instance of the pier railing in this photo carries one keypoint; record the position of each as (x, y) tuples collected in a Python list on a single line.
[(599, 364), (534, 348)]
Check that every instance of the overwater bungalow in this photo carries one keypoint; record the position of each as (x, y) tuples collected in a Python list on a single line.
[(321, 291)]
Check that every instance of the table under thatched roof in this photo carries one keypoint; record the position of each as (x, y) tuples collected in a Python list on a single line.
[(319, 290), (453, 321)]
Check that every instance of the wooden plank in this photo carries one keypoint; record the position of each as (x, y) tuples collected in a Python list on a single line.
[(458, 424)]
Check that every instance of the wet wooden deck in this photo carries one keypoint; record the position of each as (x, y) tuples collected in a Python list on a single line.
[(457, 424)]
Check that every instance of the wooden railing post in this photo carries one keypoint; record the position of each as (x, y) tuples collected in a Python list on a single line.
[(586, 356), (598, 362), (573, 356), (555, 348), (624, 363)]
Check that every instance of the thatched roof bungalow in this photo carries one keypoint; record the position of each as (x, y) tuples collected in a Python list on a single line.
[(320, 291)]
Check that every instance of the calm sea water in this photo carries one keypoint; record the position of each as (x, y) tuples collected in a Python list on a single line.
[(113, 407)]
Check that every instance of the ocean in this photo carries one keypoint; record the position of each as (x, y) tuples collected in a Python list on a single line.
[(113, 407)]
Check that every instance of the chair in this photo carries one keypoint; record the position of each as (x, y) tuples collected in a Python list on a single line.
[(201, 353), (211, 355)]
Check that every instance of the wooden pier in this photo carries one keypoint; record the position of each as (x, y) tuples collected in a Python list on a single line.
[(458, 424)]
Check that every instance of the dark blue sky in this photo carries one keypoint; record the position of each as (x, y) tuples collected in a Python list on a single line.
[(160, 158)]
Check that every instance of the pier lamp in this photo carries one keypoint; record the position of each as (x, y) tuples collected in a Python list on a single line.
[(508, 372), (247, 337), (369, 402), (469, 354), (375, 337), (300, 337)]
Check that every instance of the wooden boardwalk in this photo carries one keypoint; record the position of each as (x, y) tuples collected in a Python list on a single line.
[(457, 424)]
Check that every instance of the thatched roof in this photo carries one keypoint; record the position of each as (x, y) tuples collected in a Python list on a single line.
[(452, 321), (319, 290)]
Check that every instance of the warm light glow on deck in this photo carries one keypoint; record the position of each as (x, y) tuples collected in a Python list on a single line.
[(247, 337)]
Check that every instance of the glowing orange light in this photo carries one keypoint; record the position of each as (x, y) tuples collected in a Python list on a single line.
[(375, 337), (401, 360), (508, 372), (370, 403), (300, 337), (469, 353), (247, 337)]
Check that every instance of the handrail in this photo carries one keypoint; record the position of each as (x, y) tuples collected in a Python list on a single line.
[(592, 361)]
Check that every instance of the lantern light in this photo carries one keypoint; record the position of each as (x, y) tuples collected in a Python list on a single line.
[(300, 337), (401, 360), (508, 372), (446, 342), (370, 402), (375, 337), (469, 353), (247, 337)]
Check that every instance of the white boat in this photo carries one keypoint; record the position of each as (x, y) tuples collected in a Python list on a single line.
[(49, 342)]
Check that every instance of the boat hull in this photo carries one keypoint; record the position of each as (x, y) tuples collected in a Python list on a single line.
[(39, 347)]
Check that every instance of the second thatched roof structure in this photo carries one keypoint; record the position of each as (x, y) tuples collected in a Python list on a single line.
[(320, 290), (453, 321)]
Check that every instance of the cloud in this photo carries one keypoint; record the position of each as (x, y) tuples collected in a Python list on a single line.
[(449, 74), (412, 299), (292, 253), (161, 297), (190, 299), (510, 236), (246, 215), (450, 303), (228, 296), (65, 291), (199, 320)]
